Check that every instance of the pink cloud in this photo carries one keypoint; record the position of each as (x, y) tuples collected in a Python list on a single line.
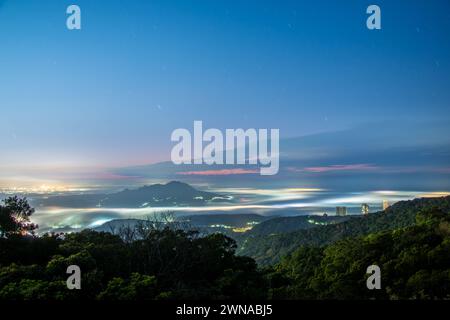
[(223, 172), (341, 167)]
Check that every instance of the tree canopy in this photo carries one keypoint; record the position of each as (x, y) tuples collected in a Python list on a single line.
[(170, 263), (15, 216)]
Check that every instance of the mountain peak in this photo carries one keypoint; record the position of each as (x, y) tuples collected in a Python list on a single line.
[(173, 193)]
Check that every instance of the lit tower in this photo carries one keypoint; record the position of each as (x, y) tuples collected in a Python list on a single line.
[(341, 211), (365, 208)]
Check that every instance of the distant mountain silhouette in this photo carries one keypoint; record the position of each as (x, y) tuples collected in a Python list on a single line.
[(117, 224), (281, 225), (174, 193)]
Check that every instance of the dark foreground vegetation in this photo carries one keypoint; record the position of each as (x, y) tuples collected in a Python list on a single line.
[(166, 263)]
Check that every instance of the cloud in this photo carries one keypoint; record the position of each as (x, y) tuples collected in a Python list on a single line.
[(223, 172), (338, 167)]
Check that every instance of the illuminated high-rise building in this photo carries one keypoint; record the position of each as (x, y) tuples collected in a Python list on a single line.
[(385, 204), (341, 211), (365, 208)]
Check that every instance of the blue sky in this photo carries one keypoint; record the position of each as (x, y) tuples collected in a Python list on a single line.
[(109, 95)]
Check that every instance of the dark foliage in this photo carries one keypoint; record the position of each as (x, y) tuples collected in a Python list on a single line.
[(267, 250), (413, 252), (168, 264), (414, 263), (15, 217)]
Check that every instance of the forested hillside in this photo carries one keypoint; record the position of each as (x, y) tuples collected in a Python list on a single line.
[(270, 249), (289, 224), (412, 251), (414, 263)]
